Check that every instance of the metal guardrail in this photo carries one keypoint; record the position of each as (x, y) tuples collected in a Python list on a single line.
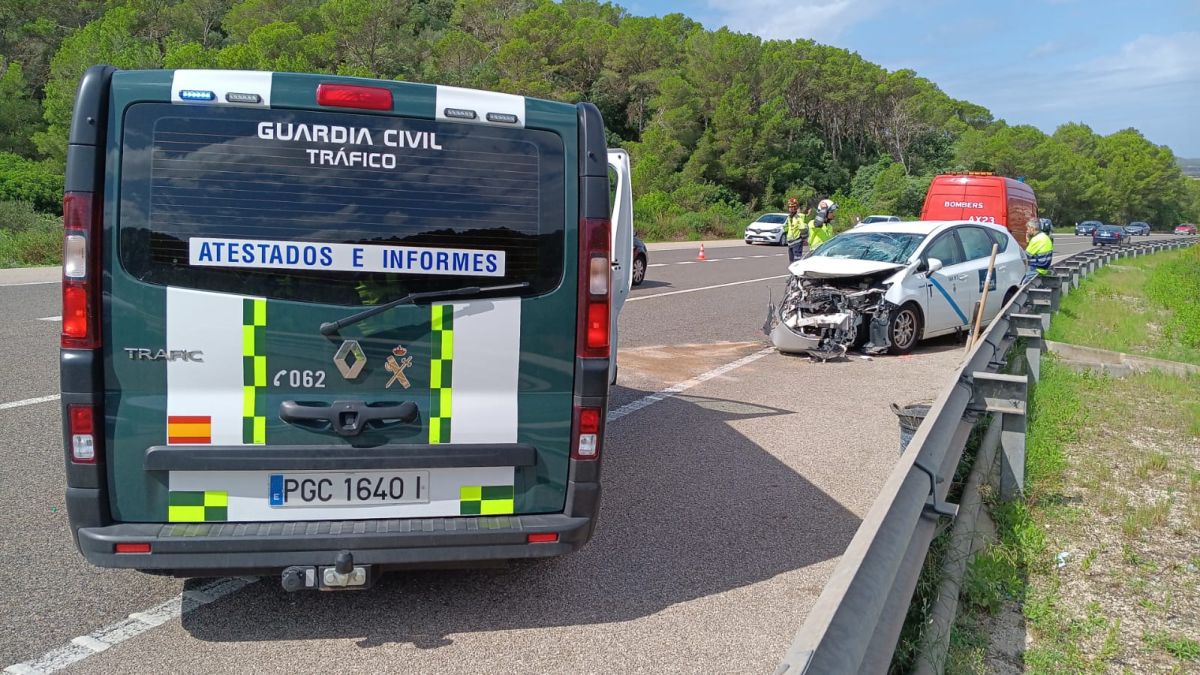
[(856, 621)]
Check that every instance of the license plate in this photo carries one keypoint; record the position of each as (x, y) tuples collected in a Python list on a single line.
[(348, 489)]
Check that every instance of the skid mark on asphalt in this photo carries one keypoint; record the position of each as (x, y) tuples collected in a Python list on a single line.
[(109, 636), (99, 640), (677, 389), (650, 368)]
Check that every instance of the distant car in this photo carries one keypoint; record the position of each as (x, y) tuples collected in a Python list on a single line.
[(1137, 227), (880, 219), (768, 229), (1108, 234), (641, 258), (1086, 227), (1186, 228)]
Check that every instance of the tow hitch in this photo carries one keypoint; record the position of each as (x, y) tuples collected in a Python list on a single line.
[(343, 575)]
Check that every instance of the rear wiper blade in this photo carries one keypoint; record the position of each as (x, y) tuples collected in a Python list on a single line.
[(331, 327)]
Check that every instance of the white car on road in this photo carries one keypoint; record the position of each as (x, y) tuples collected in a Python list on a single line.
[(887, 285), (879, 219), (770, 228)]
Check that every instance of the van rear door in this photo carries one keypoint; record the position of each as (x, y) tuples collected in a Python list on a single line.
[(622, 240), (977, 198), (251, 210)]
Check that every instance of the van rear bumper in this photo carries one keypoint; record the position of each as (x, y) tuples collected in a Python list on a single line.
[(200, 549)]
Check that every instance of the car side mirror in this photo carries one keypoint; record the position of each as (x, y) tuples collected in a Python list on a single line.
[(932, 265)]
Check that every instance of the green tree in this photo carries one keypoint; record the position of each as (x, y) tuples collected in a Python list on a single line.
[(18, 112), (116, 38)]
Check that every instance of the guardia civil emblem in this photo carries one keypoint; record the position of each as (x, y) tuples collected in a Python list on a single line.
[(396, 364)]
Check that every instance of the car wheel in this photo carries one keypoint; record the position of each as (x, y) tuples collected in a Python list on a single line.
[(1008, 295), (639, 270), (782, 240), (904, 329)]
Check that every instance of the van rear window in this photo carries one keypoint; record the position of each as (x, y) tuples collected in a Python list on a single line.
[(336, 207)]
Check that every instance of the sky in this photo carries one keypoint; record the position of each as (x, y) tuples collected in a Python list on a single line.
[(1106, 63)]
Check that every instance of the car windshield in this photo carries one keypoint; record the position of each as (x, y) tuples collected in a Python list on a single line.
[(773, 219), (874, 219), (890, 247)]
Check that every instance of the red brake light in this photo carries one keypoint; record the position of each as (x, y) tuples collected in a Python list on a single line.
[(542, 538), (589, 420), (587, 434), (81, 421), (81, 424), (137, 547), (81, 274), (595, 287), (597, 326), (354, 96)]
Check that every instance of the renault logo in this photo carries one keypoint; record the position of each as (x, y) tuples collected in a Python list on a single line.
[(350, 359)]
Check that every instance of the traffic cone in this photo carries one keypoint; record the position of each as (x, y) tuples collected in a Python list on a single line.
[(701, 256)]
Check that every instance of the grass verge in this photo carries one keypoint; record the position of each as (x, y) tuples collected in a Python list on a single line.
[(27, 237), (1100, 565), (1148, 305)]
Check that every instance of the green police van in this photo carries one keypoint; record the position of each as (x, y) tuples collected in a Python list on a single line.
[(326, 326)]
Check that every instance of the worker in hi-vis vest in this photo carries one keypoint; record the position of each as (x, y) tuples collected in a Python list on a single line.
[(1040, 247), (821, 229), (797, 228)]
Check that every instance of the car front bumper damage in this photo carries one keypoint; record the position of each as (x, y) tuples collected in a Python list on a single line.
[(825, 318)]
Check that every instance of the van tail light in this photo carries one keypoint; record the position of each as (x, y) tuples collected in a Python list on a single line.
[(354, 96), (595, 286), (81, 422), (587, 433), (81, 273), (132, 547)]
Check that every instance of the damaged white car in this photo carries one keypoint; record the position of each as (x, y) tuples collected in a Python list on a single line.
[(883, 287)]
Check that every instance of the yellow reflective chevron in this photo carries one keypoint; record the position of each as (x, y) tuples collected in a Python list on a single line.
[(441, 371), (254, 370)]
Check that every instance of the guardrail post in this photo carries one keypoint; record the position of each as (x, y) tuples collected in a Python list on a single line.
[(1076, 269), (1052, 283), (1062, 274), (1040, 299), (1007, 395), (1031, 327)]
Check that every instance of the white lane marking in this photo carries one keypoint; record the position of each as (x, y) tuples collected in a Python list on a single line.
[(50, 318), (657, 265), (651, 399), (101, 639), (28, 401), (31, 283), (759, 256), (703, 288), (740, 257), (686, 262)]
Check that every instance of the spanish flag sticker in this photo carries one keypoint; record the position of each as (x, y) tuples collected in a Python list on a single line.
[(189, 429)]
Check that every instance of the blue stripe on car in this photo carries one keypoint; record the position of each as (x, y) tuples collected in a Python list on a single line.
[(953, 305)]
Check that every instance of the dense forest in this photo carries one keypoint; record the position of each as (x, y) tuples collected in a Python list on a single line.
[(720, 125)]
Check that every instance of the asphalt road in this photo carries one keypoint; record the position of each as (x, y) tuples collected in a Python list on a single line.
[(725, 509)]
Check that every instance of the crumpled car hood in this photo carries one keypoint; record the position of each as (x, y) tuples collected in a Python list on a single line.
[(832, 268)]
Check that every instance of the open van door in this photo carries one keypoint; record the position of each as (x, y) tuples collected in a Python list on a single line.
[(622, 242)]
